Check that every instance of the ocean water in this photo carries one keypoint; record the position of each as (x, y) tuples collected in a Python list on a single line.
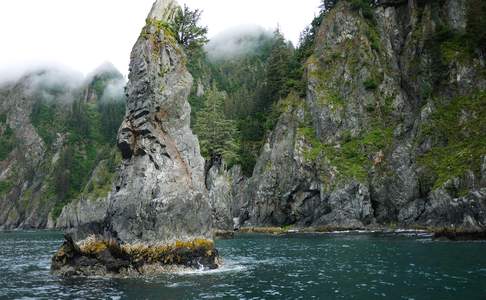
[(325, 266)]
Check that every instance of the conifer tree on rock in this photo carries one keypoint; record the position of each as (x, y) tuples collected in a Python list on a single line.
[(218, 136)]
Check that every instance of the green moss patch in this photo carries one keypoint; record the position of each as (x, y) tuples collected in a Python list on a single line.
[(352, 157), (7, 138), (5, 187), (459, 138)]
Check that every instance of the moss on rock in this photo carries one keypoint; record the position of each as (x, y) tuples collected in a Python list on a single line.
[(98, 256), (458, 130)]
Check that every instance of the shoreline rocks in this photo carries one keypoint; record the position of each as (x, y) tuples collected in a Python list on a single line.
[(437, 233), (95, 256), (453, 234)]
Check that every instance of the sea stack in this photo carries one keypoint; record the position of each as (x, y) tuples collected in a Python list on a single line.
[(158, 214)]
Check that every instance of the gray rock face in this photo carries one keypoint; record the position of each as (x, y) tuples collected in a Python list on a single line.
[(84, 211), (219, 185), (164, 10), (286, 189), (160, 194)]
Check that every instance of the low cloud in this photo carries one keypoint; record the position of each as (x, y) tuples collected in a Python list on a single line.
[(38, 72), (115, 86), (237, 41), (52, 83), (114, 91)]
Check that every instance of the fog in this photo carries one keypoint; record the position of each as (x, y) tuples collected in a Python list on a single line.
[(114, 91), (62, 84), (236, 41), (83, 34)]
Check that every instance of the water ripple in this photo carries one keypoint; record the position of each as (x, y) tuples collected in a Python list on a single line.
[(332, 266)]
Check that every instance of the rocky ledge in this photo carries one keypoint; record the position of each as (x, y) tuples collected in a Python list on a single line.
[(96, 256)]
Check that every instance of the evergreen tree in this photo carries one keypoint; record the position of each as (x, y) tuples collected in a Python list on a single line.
[(327, 5), (277, 70), (307, 39), (218, 136), (188, 33)]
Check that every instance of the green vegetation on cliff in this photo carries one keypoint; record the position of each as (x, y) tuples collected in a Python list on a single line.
[(352, 158), (5, 187), (7, 138), (458, 133), (264, 70), (83, 133), (189, 33)]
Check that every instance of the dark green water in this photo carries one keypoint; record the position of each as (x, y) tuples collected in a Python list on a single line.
[(332, 266)]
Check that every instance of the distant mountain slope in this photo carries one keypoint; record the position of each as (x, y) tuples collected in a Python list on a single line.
[(56, 130)]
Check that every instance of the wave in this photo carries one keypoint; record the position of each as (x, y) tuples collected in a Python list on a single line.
[(228, 266)]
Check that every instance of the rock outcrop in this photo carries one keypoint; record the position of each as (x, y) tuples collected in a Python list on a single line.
[(224, 188), (108, 258), (160, 194)]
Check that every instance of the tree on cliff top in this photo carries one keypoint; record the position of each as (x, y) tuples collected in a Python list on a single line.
[(188, 33), (278, 70)]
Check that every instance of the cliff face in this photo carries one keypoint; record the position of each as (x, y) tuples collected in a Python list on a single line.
[(392, 130), (20, 161)]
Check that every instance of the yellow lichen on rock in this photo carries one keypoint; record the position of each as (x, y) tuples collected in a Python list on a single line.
[(108, 256)]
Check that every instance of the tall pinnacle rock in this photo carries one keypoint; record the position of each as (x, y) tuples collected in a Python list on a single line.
[(164, 10), (160, 195), (159, 208)]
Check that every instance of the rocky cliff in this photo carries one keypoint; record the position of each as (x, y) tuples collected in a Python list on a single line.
[(392, 130)]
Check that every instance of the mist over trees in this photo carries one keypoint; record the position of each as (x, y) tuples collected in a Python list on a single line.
[(81, 123)]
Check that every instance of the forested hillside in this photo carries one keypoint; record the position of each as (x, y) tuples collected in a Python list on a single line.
[(72, 125)]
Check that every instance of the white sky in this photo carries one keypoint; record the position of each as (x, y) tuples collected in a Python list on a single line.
[(82, 34)]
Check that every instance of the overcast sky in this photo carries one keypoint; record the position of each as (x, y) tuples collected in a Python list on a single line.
[(82, 34)]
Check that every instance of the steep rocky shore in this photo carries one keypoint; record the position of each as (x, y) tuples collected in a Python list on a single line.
[(391, 132)]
